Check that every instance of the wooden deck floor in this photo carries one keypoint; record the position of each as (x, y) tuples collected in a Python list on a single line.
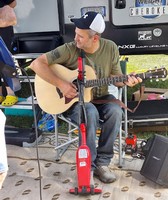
[(22, 182)]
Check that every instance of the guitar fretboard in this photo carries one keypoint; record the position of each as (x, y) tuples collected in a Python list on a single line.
[(110, 80)]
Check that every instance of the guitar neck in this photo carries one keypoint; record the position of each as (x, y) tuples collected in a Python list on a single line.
[(110, 80)]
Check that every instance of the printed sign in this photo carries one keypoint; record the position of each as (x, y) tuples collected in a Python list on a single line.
[(141, 40), (81, 7), (140, 12)]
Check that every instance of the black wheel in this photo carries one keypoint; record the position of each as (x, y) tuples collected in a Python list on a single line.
[(92, 192), (76, 191), (84, 190)]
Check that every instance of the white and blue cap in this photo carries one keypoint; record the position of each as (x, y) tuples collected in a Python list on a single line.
[(90, 20)]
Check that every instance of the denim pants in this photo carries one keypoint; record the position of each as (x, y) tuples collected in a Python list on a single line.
[(111, 117), (3, 154)]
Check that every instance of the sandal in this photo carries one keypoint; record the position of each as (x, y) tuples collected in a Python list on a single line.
[(10, 100), (2, 99)]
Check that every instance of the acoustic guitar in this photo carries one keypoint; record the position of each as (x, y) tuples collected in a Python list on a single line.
[(52, 101)]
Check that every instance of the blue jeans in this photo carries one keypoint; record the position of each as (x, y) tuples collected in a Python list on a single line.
[(111, 117)]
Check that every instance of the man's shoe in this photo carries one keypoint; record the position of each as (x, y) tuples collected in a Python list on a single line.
[(104, 174)]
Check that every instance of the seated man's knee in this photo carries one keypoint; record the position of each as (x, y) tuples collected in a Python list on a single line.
[(92, 112), (114, 109)]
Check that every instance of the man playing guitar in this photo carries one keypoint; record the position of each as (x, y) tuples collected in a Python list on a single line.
[(102, 56)]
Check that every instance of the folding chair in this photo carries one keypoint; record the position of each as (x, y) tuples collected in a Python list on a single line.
[(61, 147)]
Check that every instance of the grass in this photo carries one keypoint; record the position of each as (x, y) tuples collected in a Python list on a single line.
[(141, 63), (15, 121), (146, 135)]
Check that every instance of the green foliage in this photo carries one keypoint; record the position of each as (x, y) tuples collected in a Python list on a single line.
[(147, 135), (25, 91), (20, 121)]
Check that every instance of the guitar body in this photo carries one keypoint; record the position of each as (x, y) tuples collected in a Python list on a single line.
[(49, 97), (51, 100)]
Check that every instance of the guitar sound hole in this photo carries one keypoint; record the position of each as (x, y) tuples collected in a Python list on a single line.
[(59, 93), (75, 82)]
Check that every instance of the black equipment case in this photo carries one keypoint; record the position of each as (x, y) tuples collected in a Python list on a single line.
[(149, 113), (155, 166)]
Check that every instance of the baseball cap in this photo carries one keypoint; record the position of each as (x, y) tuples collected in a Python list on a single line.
[(90, 20)]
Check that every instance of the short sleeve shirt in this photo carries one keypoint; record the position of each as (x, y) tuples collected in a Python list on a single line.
[(105, 61)]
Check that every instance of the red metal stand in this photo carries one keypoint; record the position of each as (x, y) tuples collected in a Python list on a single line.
[(83, 155), (83, 159)]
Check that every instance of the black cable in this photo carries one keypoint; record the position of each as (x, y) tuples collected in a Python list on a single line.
[(35, 128)]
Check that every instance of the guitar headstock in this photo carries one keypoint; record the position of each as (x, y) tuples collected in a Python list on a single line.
[(156, 73)]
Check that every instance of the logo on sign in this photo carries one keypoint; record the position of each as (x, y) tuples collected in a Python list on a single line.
[(145, 35), (127, 46), (157, 32)]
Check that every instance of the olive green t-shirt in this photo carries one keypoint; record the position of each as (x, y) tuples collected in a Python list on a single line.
[(105, 61)]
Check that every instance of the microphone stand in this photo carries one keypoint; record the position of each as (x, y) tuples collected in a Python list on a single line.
[(81, 84), (83, 155)]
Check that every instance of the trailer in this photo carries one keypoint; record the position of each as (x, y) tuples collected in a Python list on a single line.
[(137, 27)]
